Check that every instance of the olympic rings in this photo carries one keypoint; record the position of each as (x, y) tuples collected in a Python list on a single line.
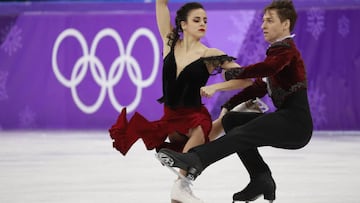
[(89, 60)]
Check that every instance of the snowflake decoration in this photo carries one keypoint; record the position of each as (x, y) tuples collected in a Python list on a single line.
[(254, 46), (316, 22), (317, 106), (239, 28), (241, 23), (11, 38), (27, 118), (343, 26), (3, 79)]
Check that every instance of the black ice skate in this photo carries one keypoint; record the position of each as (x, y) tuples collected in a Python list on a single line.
[(264, 184), (189, 162), (166, 162)]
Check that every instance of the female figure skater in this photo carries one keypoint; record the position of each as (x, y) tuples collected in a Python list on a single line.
[(289, 127), (187, 65)]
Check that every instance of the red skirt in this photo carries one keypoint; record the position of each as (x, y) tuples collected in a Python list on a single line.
[(154, 133)]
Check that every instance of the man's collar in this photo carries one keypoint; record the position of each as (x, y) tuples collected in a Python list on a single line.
[(281, 39)]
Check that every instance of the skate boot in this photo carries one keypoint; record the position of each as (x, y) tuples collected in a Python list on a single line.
[(181, 193), (189, 162), (264, 184), (252, 105)]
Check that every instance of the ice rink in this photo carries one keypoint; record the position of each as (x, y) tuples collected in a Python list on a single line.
[(82, 167)]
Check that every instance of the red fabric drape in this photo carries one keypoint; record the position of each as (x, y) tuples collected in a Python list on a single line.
[(154, 133)]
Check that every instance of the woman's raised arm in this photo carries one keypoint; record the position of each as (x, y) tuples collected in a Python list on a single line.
[(163, 19)]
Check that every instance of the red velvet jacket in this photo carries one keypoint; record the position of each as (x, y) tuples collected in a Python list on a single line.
[(284, 69)]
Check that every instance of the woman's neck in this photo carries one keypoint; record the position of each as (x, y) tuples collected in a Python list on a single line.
[(189, 44)]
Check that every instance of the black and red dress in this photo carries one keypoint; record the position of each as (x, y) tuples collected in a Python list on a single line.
[(183, 107)]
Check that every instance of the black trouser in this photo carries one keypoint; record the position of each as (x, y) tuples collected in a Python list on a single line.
[(251, 158), (289, 127)]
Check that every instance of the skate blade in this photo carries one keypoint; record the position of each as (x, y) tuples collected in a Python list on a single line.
[(169, 162)]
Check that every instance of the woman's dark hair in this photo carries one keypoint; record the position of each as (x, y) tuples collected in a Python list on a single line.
[(285, 10), (181, 15)]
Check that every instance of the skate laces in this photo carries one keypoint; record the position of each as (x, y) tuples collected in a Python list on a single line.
[(261, 105), (186, 187)]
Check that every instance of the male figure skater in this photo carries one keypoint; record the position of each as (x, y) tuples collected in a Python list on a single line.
[(289, 126)]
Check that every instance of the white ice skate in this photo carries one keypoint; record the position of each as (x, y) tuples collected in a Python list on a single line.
[(252, 105), (182, 193)]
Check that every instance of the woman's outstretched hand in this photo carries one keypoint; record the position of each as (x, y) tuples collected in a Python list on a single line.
[(207, 91)]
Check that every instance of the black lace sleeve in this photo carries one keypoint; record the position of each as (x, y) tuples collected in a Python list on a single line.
[(233, 73), (217, 61)]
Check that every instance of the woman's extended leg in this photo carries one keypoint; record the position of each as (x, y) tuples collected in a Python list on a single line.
[(181, 191)]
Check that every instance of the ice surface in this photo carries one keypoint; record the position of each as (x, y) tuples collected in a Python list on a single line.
[(82, 167)]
